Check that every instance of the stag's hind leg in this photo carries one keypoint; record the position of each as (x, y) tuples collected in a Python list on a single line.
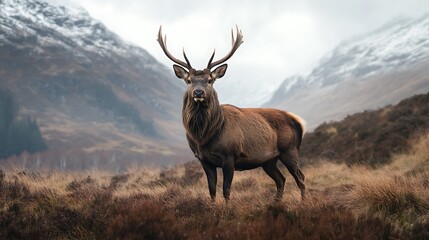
[(290, 160), (272, 170)]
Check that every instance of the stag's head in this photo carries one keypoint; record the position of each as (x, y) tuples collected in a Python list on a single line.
[(200, 82)]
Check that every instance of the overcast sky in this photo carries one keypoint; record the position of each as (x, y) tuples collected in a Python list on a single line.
[(281, 37)]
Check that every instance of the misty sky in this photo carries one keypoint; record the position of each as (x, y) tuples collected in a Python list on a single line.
[(281, 37)]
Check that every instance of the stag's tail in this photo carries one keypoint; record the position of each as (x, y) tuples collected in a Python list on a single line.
[(298, 126)]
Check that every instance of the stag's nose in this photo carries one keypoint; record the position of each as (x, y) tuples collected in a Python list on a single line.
[(198, 93)]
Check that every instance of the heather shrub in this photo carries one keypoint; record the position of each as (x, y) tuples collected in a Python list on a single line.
[(118, 180), (142, 220), (322, 222)]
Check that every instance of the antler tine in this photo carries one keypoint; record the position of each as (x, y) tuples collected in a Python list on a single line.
[(232, 36), (235, 44), (211, 59), (186, 58), (163, 43)]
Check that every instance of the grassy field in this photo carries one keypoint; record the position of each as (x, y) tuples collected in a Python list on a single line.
[(344, 202)]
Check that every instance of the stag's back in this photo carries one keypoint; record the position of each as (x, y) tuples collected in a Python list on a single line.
[(258, 133), (288, 126)]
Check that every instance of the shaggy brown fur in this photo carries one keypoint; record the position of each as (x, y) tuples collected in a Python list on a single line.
[(202, 120)]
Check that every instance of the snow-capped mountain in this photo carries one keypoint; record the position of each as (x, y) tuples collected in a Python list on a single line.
[(88, 88), (369, 71), (64, 25)]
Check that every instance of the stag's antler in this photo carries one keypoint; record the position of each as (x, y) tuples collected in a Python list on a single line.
[(163, 43), (235, 44)]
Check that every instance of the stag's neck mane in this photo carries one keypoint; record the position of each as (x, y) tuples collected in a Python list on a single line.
[(202, 120)]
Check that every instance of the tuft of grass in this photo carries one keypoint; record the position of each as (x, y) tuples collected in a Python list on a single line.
[(404, 200), (416, 161)]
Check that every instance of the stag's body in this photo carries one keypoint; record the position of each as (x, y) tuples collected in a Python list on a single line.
[(232, 138)]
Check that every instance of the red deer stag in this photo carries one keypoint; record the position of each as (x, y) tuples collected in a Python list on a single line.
[(232, 138)]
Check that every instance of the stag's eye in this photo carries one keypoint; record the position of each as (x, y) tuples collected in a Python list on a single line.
[(188, 81), (210, 81)]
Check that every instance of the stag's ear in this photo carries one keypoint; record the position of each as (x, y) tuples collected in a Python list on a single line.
[(219, 71), (180, 72)]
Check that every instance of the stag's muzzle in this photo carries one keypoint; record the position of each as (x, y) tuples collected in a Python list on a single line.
[(198, 95)]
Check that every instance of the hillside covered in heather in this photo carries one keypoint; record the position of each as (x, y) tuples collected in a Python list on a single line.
[(369, 137)]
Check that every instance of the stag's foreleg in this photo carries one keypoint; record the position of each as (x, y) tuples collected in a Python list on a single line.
[(228, 175), (272, 170), (211, 174), (290, 160)]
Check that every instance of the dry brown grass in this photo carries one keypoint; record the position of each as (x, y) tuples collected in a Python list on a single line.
[(343, 202), (415, 161)]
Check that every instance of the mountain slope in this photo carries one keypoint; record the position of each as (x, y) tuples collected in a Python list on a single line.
[(88, 89), (380, 68)]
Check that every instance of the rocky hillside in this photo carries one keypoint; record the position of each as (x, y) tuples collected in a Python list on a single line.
[(88, 89), (367, 72)]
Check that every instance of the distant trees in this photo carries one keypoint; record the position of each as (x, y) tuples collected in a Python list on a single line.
[(17, 134)]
